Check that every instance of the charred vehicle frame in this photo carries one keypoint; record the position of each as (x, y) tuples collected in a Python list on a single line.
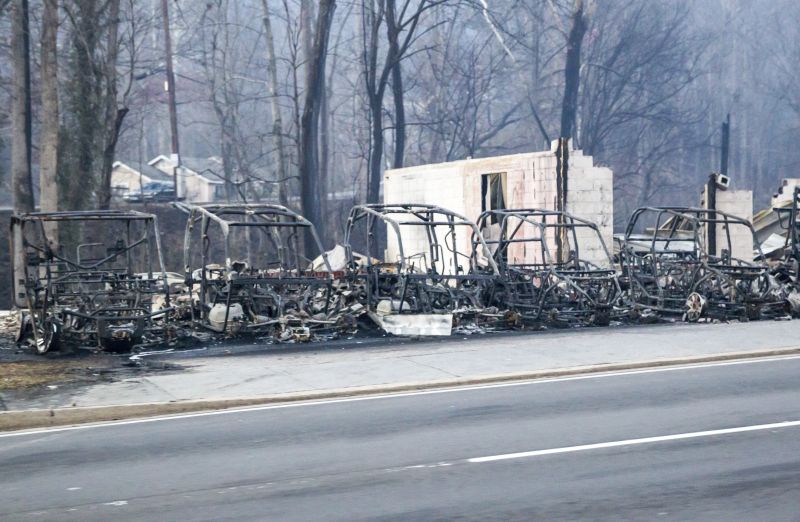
[(787, 271), (562, 287), (84, 300), (283, 298), (788, 218), (670, 271), (437, 282)]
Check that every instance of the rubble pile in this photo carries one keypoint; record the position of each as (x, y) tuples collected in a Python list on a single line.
[(97, 279)]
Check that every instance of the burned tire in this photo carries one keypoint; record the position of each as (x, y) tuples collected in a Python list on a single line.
[(695, 306), (49, 337), (601, 318), (24, 327)]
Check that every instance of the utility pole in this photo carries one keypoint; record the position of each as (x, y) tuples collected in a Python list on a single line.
[(711, 191), (173, 110), (562, 189), (726, 142)]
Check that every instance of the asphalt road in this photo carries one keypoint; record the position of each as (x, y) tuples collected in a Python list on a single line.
[(444, 455)]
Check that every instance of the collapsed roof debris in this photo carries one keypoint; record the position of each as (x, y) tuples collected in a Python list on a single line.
[(90, 278)]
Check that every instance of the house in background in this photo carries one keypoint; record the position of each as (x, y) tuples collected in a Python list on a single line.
[(125, 178), (199, 179)]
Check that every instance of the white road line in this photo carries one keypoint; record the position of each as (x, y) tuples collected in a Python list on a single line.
[(634, 442), (299, 404)]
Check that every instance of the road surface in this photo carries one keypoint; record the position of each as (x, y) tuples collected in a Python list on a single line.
[(717, 442)]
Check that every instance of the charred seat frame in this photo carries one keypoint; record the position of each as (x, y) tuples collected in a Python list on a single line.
[(79, 302), (572, 291), (273, 299)]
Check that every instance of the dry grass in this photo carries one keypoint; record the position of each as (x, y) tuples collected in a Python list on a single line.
[(27, 374)]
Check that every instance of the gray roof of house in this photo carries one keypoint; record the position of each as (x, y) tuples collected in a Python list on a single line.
[(148, 170)]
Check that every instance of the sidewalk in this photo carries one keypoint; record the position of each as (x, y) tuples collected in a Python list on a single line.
[(460, 360)]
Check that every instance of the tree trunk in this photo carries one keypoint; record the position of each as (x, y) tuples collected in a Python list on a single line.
[(308, 156), (48, 155), (572, 71), (324, 153), (113, 115), (78, 179), (21, 109), (376, 151), (392, 34), (277, 120), (399, 117)]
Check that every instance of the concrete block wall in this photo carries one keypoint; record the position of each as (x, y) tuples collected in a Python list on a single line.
[(740, 204), (530, 183)]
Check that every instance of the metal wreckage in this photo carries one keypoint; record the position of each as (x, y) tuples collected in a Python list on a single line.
[(678, 261), (544, 276), (98, 278), (429, 281), (787, 269), (90, 278), (245, 274)]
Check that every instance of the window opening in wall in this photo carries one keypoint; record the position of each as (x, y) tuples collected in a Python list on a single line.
[(493, 189)]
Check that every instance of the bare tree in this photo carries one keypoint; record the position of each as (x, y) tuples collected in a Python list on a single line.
[(572, 70), (21, 109), (277, 119), (113, 114), (48, 155), (309, 148), (401, 30)]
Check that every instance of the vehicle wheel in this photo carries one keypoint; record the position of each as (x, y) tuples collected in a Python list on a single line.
[(695, 304), (49, 336)]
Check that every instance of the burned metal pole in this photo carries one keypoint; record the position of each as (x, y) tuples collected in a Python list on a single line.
[(173, 111), (562, 186), (713, 180), (726, 141), (711, 204)]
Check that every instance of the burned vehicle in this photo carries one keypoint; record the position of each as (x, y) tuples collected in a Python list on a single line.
[(555, 268), (91, 278), (787, 269), (694, 263), (428, 282), (245, 272)]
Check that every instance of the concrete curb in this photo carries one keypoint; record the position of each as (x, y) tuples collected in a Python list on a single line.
[(42, 418)]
